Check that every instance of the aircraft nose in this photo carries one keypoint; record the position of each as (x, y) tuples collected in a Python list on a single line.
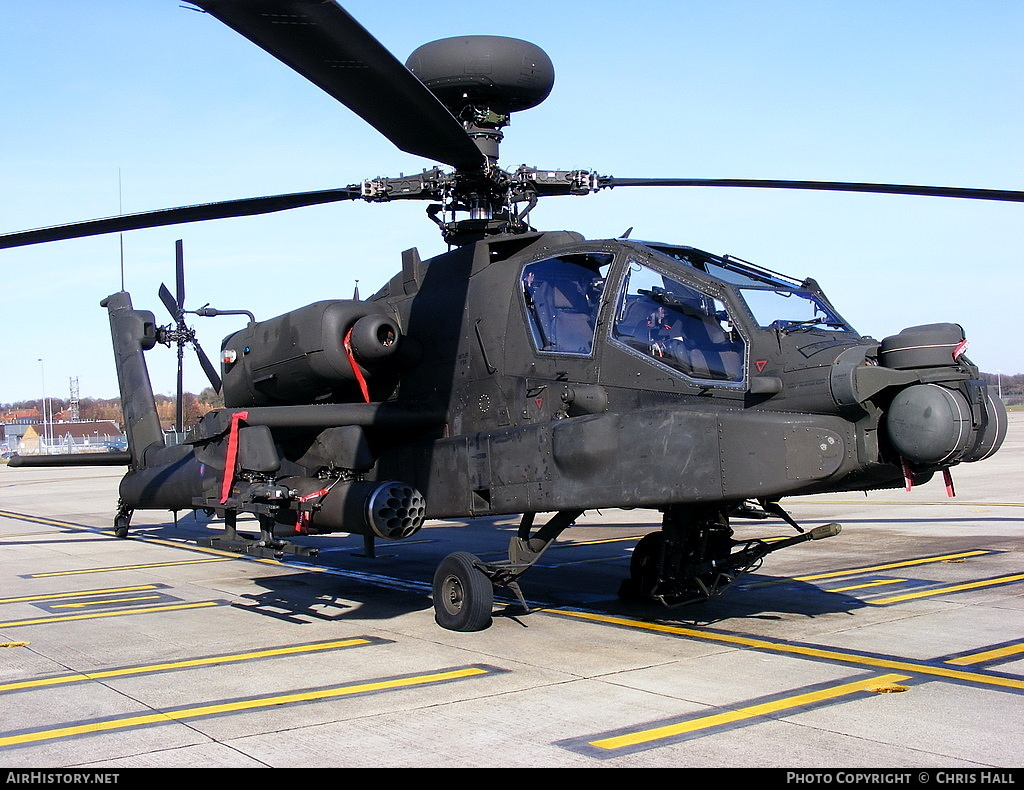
[(934, 424)]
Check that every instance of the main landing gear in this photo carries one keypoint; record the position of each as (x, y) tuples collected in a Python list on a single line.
[(464, 585), (692, 559)]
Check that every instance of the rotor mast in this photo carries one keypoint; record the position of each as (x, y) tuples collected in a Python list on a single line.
[(484, 129), (481, 81)]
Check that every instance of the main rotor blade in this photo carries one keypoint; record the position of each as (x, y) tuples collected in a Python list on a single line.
[(323, 43), (242, 207), (830, 186)]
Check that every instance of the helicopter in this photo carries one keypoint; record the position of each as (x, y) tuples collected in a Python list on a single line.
[(525, 372)]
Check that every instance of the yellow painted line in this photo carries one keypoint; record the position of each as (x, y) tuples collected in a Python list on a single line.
[(81, 594), (864, 586), (237, 706), (700, 723), (733, 716), (189, 663), (872, 568), (697, 724), (83, 604), (809, 651), (989, 655), (41, 520), (599, 541), (226, 555), (891, 565), (125, 567), (65, 618), (943, 590)]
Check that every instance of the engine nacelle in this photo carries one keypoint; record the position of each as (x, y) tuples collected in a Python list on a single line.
[(316, 353)]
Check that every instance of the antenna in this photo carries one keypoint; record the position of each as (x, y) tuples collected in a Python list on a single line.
[(120, 211)]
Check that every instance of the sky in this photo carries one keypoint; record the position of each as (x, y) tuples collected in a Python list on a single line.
[(115, 106)]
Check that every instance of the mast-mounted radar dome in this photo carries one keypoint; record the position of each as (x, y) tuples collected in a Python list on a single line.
[(503, 74)]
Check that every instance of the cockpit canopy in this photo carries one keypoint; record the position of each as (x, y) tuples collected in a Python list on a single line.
[(775, 300), (678, 307), (678, 325)]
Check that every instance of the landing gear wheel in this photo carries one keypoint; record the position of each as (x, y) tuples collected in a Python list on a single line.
[(463, 595), (122, 520), (644, 568)]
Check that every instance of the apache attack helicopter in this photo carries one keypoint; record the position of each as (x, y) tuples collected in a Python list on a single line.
[(527, 372)]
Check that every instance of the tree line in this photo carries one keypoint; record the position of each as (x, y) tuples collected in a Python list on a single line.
[(193, 407), (1010, 387)]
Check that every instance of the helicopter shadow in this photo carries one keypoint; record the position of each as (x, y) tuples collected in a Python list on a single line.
[(776, 598), (396, 582), (305, 598)]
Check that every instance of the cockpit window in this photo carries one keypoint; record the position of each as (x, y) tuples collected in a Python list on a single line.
[(562, 297), (678, 325), (791, 309)]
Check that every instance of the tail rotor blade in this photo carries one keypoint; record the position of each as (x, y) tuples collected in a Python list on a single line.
[(179, 272), (179, 421), (169, 302), (176, 307), (208, 367)]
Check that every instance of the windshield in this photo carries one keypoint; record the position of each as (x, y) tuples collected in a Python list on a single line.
[(776, 301), (790, 308)]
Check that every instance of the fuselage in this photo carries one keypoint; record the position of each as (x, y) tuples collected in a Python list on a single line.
[(621, 373)]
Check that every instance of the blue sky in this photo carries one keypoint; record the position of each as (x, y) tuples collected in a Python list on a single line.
[(133, 105)]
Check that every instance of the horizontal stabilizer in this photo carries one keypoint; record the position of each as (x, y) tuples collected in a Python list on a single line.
[(73, 459)]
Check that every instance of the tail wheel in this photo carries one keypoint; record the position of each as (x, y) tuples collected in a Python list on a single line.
[(122, 520), (644, 568), (463, 595)]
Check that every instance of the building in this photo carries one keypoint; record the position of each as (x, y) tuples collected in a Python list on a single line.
[(67, 437)]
